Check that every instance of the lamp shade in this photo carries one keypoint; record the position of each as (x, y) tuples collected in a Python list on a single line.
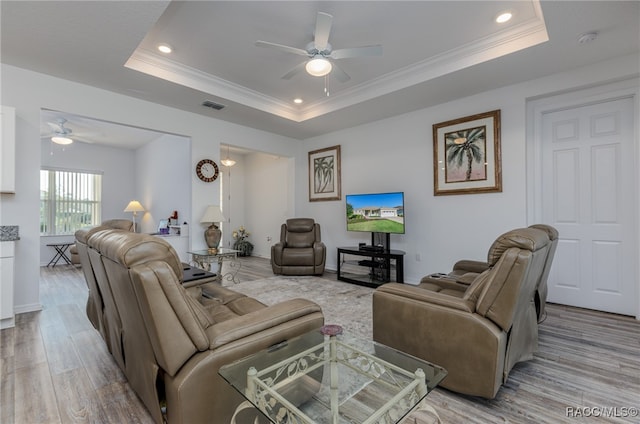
[(212, 214), (134, 206)]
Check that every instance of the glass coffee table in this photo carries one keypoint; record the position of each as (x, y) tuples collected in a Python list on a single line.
[(204, 258), (325, 377)]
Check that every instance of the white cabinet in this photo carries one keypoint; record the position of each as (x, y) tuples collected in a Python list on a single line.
[(7, 249), (7, 150), (178, 238), (180, 244)]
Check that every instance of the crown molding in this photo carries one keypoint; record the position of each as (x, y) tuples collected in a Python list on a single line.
[(527, 34), (152, 64)]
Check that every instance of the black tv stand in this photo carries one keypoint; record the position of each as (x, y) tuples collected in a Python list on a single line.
[(371, 268), (381, 240), (370, 248)]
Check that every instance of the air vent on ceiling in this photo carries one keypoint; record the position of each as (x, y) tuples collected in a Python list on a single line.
[(212, 105)]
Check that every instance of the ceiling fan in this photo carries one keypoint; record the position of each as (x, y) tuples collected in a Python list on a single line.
[(60, 134), (321, 54)]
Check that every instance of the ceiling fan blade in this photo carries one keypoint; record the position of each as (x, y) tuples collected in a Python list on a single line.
[(282, 48), (83, 140), (323, 28), (295, 71), (339, 73), (357, 52)]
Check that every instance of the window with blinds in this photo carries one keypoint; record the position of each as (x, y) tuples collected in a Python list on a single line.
[(69, 200)]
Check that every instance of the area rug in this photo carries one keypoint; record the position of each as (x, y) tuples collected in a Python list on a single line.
[(346, 304)]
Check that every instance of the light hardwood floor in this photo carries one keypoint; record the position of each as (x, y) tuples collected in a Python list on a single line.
[(55, 367)]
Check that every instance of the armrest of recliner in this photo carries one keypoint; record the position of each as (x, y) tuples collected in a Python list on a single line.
[(467, 265), (319, 252), (428, 297), (466, 278), (254, 322), (276, 252)]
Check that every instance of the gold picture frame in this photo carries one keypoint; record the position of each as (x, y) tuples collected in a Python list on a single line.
[(467, 156), (324, 174)]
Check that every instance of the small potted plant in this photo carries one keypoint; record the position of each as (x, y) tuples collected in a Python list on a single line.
[(241, 243)]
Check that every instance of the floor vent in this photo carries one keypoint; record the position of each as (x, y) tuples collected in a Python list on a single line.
[(212, 105)]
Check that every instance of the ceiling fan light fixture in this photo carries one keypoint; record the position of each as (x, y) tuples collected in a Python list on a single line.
[(227, 161), (318, 67), (61, 140)]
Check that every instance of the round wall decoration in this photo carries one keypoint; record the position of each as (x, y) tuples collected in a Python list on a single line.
[(207, 170)]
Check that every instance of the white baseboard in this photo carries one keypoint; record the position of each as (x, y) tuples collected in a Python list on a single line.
[(34, 307), (7, 323)]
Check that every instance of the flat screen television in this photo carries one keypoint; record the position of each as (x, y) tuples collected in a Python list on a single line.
[(376, 212)]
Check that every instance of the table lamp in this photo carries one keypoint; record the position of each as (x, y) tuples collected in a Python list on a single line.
[(212, 234), (135, 207)]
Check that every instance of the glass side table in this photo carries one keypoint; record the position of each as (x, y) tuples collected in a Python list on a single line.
[(204, 258)]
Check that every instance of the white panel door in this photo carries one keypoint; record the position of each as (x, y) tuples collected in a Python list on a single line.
[(588, 194)]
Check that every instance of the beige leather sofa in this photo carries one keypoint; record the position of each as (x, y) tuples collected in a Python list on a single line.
[(465, 271), (80, 255), (170, 341), (477, 332), (121, 224), (300, 250)]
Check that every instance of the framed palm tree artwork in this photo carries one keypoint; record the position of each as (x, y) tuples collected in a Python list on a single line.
[(324, 174), (466, 155)]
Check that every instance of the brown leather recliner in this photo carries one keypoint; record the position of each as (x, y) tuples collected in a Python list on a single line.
[(465, 271), (79, 254), (300, 250), (542, 291), (121, 224), (479, 333), (171, 341)]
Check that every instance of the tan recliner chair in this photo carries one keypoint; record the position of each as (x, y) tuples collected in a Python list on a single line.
[(121, 224), (171, 341), (479, 333), (80, 255), (300, 250), (465, 271), (541, 292)]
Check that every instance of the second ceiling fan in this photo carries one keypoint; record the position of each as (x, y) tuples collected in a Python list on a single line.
[(321, 54)]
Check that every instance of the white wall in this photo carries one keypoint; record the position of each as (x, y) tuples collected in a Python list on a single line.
[(158, 175), (268, 199), (262, 187), (163, 181), (117, 168), (396, 154), (232, 202), (29, 92)]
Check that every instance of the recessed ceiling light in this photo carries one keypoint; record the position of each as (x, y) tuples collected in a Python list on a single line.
[(165, 48), (297, 101), (504, 17)]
